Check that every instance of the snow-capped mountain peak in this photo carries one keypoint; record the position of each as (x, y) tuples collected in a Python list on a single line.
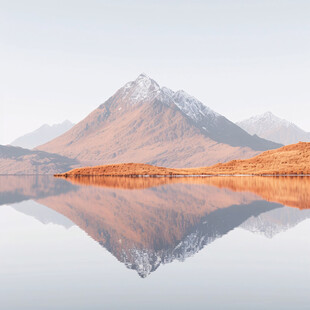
[(271, 127), (270, 119), (142, 89), (145, 89)]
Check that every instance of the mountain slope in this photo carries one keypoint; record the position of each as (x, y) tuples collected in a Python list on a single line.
[(216, 126), (142, 122), (146, 228), (275, 221), (271, 127), (288, 160), (42, 214), (15, 189), (16, 160), (42, 135)]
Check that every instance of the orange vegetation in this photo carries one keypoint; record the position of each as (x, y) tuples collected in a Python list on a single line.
[(291, 159), (289, 191)]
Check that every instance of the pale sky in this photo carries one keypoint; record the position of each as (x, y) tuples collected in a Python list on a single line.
[(61, 59)]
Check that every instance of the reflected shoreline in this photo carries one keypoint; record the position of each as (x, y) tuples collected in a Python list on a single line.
[(292, 191), (147, 222)]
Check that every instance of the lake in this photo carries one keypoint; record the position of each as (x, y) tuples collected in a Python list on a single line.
[(154, 243)]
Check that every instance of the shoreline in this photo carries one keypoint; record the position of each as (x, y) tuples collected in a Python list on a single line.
[(65, 175)]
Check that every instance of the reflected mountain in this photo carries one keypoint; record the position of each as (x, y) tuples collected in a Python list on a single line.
[(146, 222), (14, 189), (290, 191), (276, 221), (42, 214)]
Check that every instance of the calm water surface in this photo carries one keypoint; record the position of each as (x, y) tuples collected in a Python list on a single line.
[(154, 243)]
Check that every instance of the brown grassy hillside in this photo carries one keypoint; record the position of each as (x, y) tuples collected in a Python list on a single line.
[(291, 159)]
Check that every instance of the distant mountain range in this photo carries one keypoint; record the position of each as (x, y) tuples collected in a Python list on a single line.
[(143, 122), (273, 128), (42, 135)]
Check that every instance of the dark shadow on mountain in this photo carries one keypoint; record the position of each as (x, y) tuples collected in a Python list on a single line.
[(225, 131)]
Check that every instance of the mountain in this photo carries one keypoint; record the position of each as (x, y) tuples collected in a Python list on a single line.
[(16, 160), (291, 159), (16, 189), (42, 214), (288, 191), (147, 225), (273, 128), (147, 222), (143, 122), (146, 228), (275, 221), (42, 135)]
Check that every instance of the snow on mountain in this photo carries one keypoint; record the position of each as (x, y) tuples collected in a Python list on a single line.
[(142, 89), (146, 89), (214, 125), (257, 124), (271, 127), (212, 227), (193, 107)]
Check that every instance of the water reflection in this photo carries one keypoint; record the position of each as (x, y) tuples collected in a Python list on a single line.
[(147, 222), (290, 191)]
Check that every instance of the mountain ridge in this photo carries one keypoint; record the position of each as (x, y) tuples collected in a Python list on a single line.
[(42, 135), (143, 122), (273, 128)]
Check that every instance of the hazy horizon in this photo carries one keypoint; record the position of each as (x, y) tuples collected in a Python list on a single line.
[(62, 60)]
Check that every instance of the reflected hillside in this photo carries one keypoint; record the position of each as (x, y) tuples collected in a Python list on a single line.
[(130, 182), (146, 222), (14, 189), (275, 221), (290, 191), (42, 213), (144, 228)]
